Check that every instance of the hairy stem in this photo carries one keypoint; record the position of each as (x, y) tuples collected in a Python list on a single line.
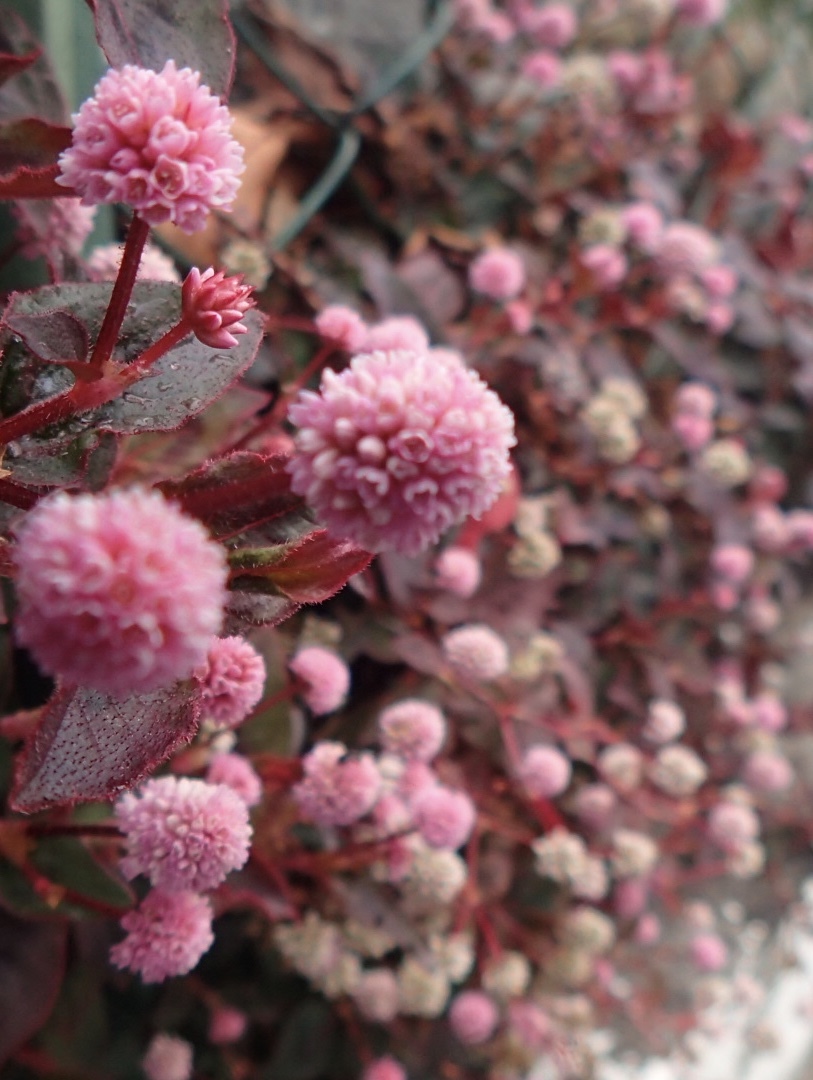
[(122, 291)]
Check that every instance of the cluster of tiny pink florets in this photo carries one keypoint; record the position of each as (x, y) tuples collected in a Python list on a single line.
[(231, 680)]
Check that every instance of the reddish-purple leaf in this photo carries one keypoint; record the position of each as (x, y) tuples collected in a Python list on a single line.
[(32, 966), (308, 570), (249, 610), (150, 32), (236, 492), (11, 65), (91, 746), (31, 144), (34, 89), (54, 336), (26, 183)]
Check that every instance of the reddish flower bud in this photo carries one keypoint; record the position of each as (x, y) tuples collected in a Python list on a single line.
[(214, 304)]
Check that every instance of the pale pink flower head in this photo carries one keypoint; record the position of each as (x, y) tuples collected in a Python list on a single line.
[(443, 817), (520, 315), (594, 804), (665, 721), (473, 1017), (396, 332), (543, 67), (545, 772), (476, 652), (770, 712), (325, 678), (376, 995), (183, 833), (529, 1024), (64, 227), (412, 729), (767, 771), (168, 1058), (158, 141), (343, 326), (644, 224), (708, 952), (166, 935), (720, 281), (213, 305), (227, 1025), (552, 24), (337, 789), (719, 317), (119, 591), (458, 571), (733, 562), (104, 262), (231, 681), (696, 399), (686, 248), (497, 26), (397, 448), (237, 773), (627, 68), (607, 265), (732, 825), (694, 432), (701, 12), (498, 273), (800, 529), (385, 1068)]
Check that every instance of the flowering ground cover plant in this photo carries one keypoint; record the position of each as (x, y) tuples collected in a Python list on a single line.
[(519, 398)]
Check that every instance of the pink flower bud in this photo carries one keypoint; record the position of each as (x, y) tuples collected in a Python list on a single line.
[(708, 952), (226, 1025), (543, 68), (607, 265), (545, 772), (444, 818), (734, 562), (385, 1068), (457, 570), (325, 676), (343, 326), (213, 306), (768, 771), (167, 1058), (473, 1017), (498, 274), (166, 936)]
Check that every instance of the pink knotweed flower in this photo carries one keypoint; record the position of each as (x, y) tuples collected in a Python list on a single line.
[(443, 817), (768, 771), (183, 833), (800, 529), (694, 432), (231, 681), (412, 729), (701, 12), (458, 571), (167, 1058), (607, 265), (376, 995), (644, 224), (476, 652), (542, 67), (594, 805), (325, 676), (732, 825), (237, 773), (627, 68), (104, 262), (686, 248), (385, 1068), (770, 712), (343, 326), (397, 448), (719, 318), (227, 1025), (545, 772), (65, 226), (337, 789), (213, 306), (498, 274), (119, 591), (473, 1017), (665, 721), (720, 281), (158, 141), (552, 24), (696, 399), (733, 562), (529, 1024), (397, 332), (708, 952), (166, 935)]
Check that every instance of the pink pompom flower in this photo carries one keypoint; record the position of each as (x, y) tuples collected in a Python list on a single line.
[(167, 1058), (552, 24), (708, 952), (412, 729), (701, 12), (337, 789), (385, 1068), (57, 225), (226, 1025), (166, 935), (396, 332), (120, 591), (183, 834), (476, 652), (443, 817), (237, 773), (104, 263), (644, 224), (398, 447), (458, 571), (343, 326), (213, 305), (607, 265), (767, 771), (473, 1017), (733, 562), (231, 680), (542, 67), (545, 772), (158, 141), (325, 678), (498, 274)]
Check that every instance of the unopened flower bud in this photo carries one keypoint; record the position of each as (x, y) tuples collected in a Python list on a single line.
[(213, 306)]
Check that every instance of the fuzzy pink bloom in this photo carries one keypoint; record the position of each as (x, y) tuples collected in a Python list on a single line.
[(416, 777), (166, 935), (731, 825), (458, 571), (627, 68), (520, 316), (412, 729), (719, 318), (237, 773), (343, 326), (542, 67), (443, 817), (385, 1068), (734, 562), (686, 248), (167, 1058), (768, 484), (476, 652), (665, 721), (770, 529), (694, 432), (104, 262), (64, 226), (648, 929), (326, 678), (701, 12), (720, 281), (398, 448), (182, 833), (606, 264), (644, 225), (213, 305), (232, 680), (376, 995), (545, 772), (397, 332), (337, 789), (770, 713), (552, 24), (724, 596), (800, 529), (529, 1024), (708, 952), (498, 274), (497, 26), (119, 591), (768, 771), (226, 1025), (630, 897), (473, 1017), (696, 399), (160, 142), (594, 804)]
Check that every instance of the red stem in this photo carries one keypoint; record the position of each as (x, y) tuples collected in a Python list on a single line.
[(122, 291)]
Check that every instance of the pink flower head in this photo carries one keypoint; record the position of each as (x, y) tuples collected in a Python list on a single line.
[(627, 68), (159, 141), (398, 448), (226, 1025), (326, 678), (473, 1017), (720, 281), (119, 591), (337, 789), (476, 652), (343, 326), (458, 571), (397, 332), (498, 274), (800, 529), (595, 804), (237, 773), (719, 318), (412, 729), (545, 772), (694, 432), (443, 817), (167, 1058), (231, 680), (733, 562), (686, 248), (530, 1024), (552, 24), (696, 399), (64, 226), (701, 12), (708, 952), (385, 1068), (213, 306), (104, 262), (770, 713), (644, 225), (543, 67), (166, 936), (183, 834), (732, 825), (768, 771), (607, 265)]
